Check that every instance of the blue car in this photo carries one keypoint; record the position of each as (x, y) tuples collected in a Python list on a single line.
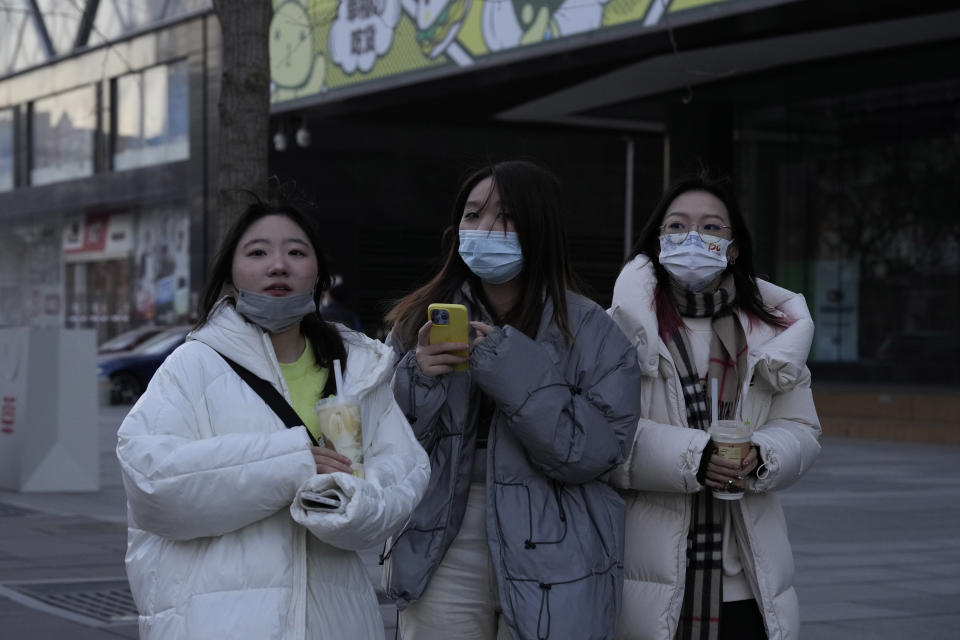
[(123, 375), (129, 339)]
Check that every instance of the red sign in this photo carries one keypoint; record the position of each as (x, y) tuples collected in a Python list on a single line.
[(94, 233)]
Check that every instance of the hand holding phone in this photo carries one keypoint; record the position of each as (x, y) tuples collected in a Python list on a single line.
[(443, 342)]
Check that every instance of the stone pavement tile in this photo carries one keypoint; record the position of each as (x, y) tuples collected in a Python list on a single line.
[(867, 498), (946, 586), (838, 611), (952, 554), (870, 593), (922, 604), (841, 548), (853, 575), (888, 559), (940, 627), (949, 569)]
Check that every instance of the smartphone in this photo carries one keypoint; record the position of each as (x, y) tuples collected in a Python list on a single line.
[(450, 324), (317, 501)]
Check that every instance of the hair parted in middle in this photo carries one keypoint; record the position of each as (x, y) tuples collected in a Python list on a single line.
[(744, 277), (324, 338), (530, 196)]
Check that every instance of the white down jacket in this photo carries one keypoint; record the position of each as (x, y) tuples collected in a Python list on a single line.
[(660, 473), (219, 545)]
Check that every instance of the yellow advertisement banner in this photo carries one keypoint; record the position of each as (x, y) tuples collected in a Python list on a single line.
[(320, 46)]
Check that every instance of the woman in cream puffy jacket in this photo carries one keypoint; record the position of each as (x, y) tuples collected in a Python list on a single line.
[(222, 543), (709, 254)]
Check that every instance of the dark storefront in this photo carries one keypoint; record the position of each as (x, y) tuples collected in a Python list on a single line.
[(839, 123)]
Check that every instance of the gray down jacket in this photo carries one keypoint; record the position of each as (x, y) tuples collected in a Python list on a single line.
[(564, 416)]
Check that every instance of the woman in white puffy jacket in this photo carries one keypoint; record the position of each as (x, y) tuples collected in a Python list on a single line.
[(697, 567), (226, 537)]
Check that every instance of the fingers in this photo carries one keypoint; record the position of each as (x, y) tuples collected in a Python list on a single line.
[(423, 335), (721, 471), (438, 359), (329, 461), (749, 462), (482, 328), (435, 365), (441, 347)]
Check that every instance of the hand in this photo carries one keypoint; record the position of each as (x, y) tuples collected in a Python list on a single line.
[(437, 359), (721, 471), (482, 329), (329, 461)]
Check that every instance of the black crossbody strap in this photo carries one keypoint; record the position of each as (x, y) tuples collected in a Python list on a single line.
[(270, 395)]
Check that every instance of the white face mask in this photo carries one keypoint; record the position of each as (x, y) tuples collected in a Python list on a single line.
[(695, 262)]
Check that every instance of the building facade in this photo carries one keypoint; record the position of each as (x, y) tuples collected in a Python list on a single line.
[(105, 121), (839, 122)]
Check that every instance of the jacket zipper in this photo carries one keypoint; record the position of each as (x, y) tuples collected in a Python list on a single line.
[(300, 584)]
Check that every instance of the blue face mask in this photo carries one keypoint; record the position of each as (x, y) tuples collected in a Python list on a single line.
[(494, 256)]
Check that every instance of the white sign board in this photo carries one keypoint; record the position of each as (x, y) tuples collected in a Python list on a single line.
[(836, 310), (49, 413)]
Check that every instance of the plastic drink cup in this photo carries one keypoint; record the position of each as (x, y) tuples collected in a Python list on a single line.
[(732, 441), (340, 423)]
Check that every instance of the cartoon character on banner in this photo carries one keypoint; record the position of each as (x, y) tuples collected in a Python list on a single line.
[(509, 23), (438, 23), (298, 66), (362, 32)]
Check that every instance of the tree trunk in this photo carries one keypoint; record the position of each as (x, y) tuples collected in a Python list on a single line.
[(244, 105)]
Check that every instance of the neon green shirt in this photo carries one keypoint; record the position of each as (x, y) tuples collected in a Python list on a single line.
[(305, 381)]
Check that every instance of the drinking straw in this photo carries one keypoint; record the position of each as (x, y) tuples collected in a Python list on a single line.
[(714, 401), (338, 376)]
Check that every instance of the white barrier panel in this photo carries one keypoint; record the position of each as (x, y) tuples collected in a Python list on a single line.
[(49, 413)]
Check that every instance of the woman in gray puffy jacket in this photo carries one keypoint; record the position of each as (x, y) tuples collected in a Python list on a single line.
[(519, 534)]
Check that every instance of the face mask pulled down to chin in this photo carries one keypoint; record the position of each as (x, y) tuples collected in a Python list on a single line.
[(275, 314), (696, 262)]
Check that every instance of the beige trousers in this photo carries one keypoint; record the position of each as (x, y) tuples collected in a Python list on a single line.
[(461, 600)]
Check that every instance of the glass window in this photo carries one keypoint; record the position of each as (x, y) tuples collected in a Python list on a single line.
[(20, 46), (63, 133), (62, 19), (119, 17), (152, 117), (31, 291), (177, 8), (855, 202), (6, 149)]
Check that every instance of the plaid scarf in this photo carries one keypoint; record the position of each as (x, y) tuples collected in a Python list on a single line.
[(700, 614)]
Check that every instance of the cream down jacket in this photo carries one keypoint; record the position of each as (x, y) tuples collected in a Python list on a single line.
[(219, 545), (660, 473)]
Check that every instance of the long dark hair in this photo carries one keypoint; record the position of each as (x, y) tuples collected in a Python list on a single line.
[(744, 278), (531, 195), (324, 338)]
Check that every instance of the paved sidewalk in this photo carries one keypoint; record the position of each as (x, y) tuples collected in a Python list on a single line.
[(875, 528)]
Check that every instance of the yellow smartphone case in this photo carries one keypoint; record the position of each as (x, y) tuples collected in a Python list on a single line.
[(450, 324)]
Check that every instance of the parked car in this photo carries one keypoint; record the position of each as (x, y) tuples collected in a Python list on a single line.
[(123, 375), (129, 339)]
